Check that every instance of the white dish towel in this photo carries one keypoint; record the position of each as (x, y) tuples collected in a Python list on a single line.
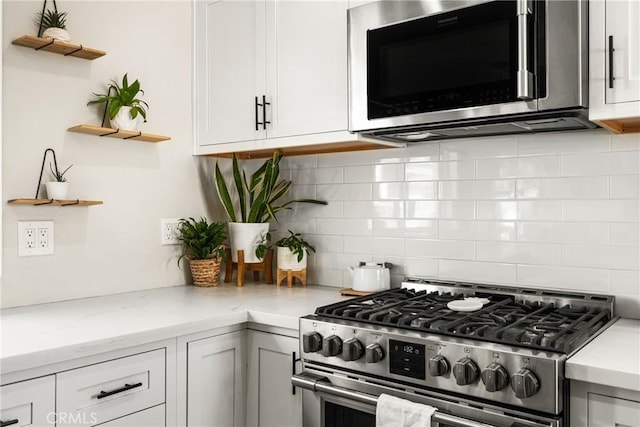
[(395, 412)]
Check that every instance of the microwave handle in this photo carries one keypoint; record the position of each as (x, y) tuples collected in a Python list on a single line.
[(524, 77)]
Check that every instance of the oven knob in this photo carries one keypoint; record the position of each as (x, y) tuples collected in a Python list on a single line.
[(331, 346), (311, 342), (352, 349), (374, 353), (494, 377), (465, 371), (438, 366), (524, 383)]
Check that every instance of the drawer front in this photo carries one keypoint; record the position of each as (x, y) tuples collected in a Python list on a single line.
[(105, 391), (28, 403), (606, 411), (152, 417)]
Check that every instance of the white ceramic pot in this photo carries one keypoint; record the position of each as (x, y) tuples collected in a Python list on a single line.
[(56, 34), (246, 236), (287, 260), (57, 190), (123, 120), (370, 277)]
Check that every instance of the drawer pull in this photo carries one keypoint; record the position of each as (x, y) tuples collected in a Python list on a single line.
[(9, 423), (126, 387)]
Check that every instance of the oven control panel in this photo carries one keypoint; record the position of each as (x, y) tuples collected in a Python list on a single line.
[(511, 375)]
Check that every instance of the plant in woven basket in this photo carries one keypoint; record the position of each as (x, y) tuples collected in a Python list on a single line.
[(203, 246)]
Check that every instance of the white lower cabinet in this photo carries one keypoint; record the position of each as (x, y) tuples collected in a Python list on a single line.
[(216, 381), (271, 401), (594, 405), (152, 417), (28, 403)]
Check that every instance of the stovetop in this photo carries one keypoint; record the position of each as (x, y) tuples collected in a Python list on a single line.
[(539, 319)]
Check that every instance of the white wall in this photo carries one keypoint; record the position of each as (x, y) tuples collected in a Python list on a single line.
[(114, 247), (556, 210)]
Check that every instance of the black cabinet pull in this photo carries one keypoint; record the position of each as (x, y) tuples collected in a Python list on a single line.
[(264, 112), (293, 370), (611, 50), (126, 387), (257, 122), (9, 423)]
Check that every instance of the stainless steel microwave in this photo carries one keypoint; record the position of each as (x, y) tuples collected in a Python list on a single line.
[(429, 69)]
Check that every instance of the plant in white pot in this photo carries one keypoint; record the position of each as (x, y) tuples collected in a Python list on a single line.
[(57, 189), (53, 25), (292, 252), (256, 200), (123, 108)]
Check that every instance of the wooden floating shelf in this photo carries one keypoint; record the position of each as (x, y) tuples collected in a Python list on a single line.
[(54, 202), (55, 46), (116, 133)]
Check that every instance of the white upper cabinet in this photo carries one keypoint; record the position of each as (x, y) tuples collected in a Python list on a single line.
[(614, 64)]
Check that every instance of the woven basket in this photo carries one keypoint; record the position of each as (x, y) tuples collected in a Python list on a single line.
[(205, 272)]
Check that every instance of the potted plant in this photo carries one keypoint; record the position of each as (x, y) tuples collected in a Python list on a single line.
[(54, 25), (292, 252), (258, 199), (203, 247), (123, 108), (57, 189)]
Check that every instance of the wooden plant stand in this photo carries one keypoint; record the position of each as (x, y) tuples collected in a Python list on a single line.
[(241, 267), (301, 275)]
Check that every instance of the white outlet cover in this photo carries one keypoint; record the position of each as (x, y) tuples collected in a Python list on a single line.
[(168, 231), (42, 241)]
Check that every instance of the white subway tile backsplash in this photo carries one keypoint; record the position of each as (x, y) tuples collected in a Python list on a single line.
[(344, 191), (299, 162), (542, 210), (328, 277), (625, 234), (601, 210), (561, 142), (625, 186), (625, 282), (374, 173), (563, 188), (564, 232), (410, 154), (374, 245), (579, 279), (591, 164), (345, 159), (410, 228), (442, 171), (625, 142), (374, 209), (473, 271), (327, 243), (424, 267), (339, 261), (519, 253), (422, 190), (449, 249), (613, 257), (480, 148), (523, 167), (441, 209), (344, 226), (476, 230), (334, 209), (477, 190), (317, 176)]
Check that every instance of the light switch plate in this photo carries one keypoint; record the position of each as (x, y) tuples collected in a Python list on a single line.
[(35, 238)]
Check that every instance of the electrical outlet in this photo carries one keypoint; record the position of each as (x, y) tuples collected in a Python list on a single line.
[(35, 238), (169, 229)]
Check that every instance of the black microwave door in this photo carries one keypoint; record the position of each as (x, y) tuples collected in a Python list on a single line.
[(462, 58)]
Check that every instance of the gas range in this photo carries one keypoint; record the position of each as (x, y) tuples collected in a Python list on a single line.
[(508, 349)]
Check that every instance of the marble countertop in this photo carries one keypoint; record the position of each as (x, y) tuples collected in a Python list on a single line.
[(611, 359), (38, 335)]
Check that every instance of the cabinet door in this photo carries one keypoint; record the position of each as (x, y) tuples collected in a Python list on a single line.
[(29, 403), (215, 381), (622, 23), (306, 67), (229, 69), (605, 411), (270, 400)]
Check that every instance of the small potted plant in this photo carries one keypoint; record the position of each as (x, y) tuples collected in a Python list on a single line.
[(54, 25), (58, 189), (203, 247), (260, 197), (292, 252), (123, 108)]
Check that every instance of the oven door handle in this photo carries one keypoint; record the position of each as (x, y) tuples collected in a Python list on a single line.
[(323, 385)]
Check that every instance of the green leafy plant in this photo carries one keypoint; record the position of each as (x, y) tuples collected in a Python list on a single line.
[(52, 19), (259, 197), (201, 239), (124, 96), (296, 244), (57, 175)]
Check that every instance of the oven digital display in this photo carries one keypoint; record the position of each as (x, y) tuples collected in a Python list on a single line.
[(407, 359)]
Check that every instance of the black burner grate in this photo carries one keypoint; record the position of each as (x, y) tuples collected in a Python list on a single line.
[(503, 320)]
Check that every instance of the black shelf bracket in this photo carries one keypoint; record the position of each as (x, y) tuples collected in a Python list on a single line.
[(44, 158), (40, 29)]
